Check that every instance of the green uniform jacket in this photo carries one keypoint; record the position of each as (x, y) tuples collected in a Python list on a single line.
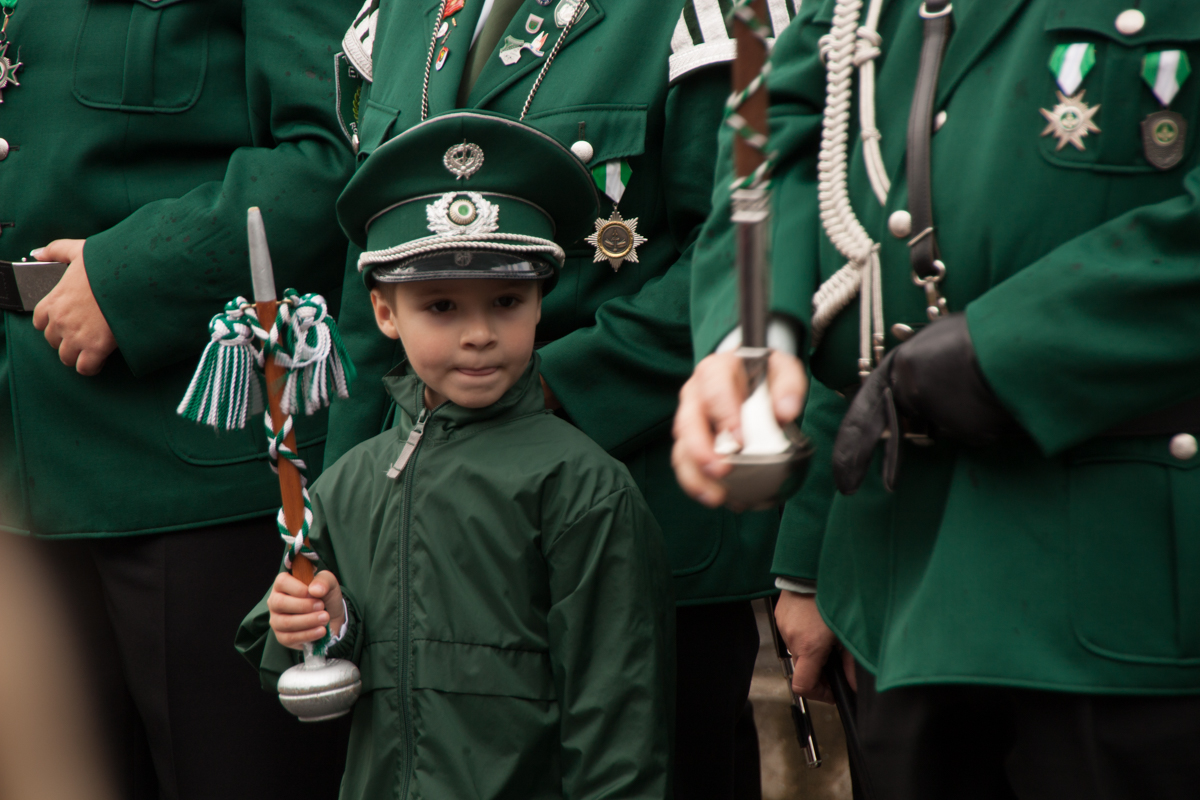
[(638, 80), (1061, 561), (510, 599), (148, 127)]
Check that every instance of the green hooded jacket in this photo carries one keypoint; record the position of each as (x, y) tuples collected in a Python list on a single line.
[(510, 605)]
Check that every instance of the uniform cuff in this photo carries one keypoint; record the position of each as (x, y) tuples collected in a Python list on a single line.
[(797, 585)]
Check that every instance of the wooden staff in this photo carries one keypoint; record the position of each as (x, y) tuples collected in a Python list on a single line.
[(290, 485)]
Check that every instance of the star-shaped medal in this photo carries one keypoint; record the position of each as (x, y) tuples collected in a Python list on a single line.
[(8, 70), (1070, 120), (616, 239)]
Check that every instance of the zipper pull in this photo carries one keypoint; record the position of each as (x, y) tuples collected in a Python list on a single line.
[(414, 438)]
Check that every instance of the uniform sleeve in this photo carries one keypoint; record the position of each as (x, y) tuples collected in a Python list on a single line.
[(611, 626), (164, 270), (255, 640), (802, 528), (1102, 329), (640, 345)]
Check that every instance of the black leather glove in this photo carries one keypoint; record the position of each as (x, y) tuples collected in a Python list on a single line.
[(934, 382)]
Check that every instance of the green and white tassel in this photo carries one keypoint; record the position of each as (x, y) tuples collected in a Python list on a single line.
[(306, 342), (226, 386)]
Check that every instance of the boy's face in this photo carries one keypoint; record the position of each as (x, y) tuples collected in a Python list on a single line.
[(467, 339)]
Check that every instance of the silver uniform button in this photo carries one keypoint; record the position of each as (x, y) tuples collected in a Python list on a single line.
[(1183, 446), (583, 150), (939, 121), (900, 224), (1130, 22), (3, 149)]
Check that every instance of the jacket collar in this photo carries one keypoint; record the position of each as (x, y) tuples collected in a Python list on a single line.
[(981, 22), (496, 77), (523, 398)]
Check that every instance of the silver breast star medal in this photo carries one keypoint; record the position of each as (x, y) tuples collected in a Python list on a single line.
[(616, 239), (1070, 120), (8, 68)]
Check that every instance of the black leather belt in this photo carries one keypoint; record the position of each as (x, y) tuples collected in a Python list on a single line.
[(927, 267)]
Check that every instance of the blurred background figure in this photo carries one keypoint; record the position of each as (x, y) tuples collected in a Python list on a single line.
[(48, 744)]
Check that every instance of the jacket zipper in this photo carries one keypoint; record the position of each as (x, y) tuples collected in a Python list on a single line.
[(414, 439), (408, 456)]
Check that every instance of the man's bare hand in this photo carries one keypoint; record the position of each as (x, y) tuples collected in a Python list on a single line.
[(810, 642), (300, 613), (710, 403), (70, 316)]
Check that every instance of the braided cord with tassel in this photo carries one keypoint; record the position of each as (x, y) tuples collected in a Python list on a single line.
[(228, 384)]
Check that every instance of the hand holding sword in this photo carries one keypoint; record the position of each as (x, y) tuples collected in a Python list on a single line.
[(749, 399)]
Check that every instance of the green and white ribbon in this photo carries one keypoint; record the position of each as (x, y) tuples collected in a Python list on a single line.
[(761, 177), (612, 177), (1164, 72), (1071, 63), (297, 546)]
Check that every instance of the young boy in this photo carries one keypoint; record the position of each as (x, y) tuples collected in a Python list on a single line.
[(495, 575)]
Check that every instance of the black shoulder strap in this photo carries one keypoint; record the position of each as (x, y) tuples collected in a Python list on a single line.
[(928, 270)]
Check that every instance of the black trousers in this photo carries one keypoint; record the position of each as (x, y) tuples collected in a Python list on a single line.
[(182, 714), (716, 745), (992, 743)]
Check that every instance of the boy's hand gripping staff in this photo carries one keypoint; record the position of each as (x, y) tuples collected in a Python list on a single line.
[(768, 455), (302, 358)]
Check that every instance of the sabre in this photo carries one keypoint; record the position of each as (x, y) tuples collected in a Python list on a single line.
[(768, 456), (801, 718)]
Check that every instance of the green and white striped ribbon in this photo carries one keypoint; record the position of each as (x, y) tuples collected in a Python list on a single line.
[(612, 177), (1071, 63), (1164, 72)]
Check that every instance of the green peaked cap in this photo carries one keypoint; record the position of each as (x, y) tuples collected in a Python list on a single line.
[(463, 184)]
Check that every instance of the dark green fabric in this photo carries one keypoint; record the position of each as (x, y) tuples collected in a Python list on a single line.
[(498, 20), (149, 128), (618, 344), (511, 604), (1061, 561), (802, 527)]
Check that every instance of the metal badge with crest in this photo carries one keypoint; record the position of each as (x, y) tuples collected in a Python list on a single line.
[(463, 160), (1164, 132), (616, 239)]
